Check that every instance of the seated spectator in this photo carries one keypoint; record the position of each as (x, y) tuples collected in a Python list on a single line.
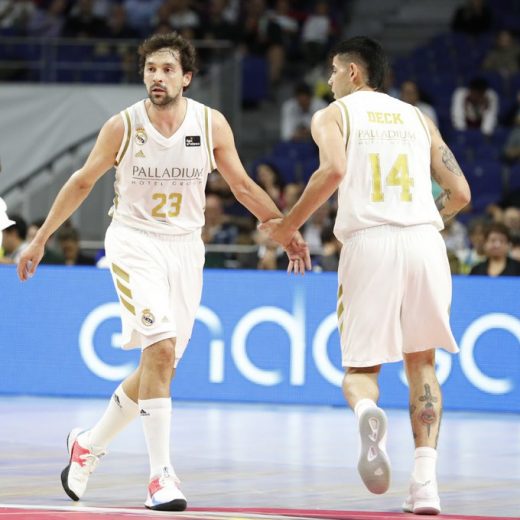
[(68, 240), (317, 32), (475, 106), (16, 15), (118, 24), (216, 228), (181, 17), (475, 254), (511, 218), (297, 113), (473, 18), (141, 13), (48, 22), (13, 239), (50, 256), (455, 263), (314, 227), (269, 178), (331, 249), (497, 247), (455, 236), (504, 56), (515, 248), (291, 194), (512, 146), (83, 22), (410, 94)]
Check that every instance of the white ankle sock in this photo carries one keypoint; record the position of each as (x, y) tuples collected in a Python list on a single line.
[(362, 405), (120, 411), (425, 464), (156, 419)]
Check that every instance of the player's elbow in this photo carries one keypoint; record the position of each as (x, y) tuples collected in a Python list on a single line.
[(334, 172), (82, 182), (463, 196)]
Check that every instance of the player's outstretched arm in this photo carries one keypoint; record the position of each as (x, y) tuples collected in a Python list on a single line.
[(447, 173), (249, 194), (74, 192)]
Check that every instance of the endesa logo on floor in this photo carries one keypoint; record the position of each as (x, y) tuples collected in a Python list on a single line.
[(258, 337)]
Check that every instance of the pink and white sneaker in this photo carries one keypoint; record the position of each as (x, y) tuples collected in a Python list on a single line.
[(163, 493), (82, 462)]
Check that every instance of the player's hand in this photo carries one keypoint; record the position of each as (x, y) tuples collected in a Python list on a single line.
[(276, 230), (299, 255), (29, 260)]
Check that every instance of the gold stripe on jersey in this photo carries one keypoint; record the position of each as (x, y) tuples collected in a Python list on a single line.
[(207, 131), (125, 290), (128, 305), (121, 273), (128, 135), (423, 125), (347, 119)]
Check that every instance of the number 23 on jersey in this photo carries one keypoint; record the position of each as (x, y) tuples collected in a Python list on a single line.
[(397, 176), (168, 205)]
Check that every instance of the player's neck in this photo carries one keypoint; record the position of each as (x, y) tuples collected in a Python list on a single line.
[(167, 119)]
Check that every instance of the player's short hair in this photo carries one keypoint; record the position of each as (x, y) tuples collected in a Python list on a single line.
[(369, 54), (173, 41)]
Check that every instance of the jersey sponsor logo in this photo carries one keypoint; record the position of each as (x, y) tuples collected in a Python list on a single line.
[(140, 136), (192, 140), (147, 318), (175, 173), (386, 118)]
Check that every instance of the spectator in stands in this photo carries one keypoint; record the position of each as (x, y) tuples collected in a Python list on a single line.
[(515, 248), (68, 240), (13, 239), (15, 15), (141, 13), (50, 256), (181, 17), (217, 24), (473, 18), (475, 254), (83, 22), (297, 113), (317, 32), (314, 227), (269, 178), (455, 263), (118, 24), (291, 194), (216, 228), (410, 94), (511, 218), (475, 106), (512, 146), (504, 56), (48, 21), (331, 248), (497, 247), (389, 84), (455, 236)]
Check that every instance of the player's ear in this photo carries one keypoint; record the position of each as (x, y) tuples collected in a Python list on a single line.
[(186, 79)]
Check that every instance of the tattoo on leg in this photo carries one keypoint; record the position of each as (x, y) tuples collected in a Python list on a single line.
[(412, 410), (428, 415)]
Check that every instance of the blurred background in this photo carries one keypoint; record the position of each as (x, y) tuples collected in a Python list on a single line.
[(66, 66)]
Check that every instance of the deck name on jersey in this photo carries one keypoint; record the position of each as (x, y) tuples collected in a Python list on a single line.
[(386, 118)]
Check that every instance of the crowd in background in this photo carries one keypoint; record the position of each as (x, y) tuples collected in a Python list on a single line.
[(294, 38)]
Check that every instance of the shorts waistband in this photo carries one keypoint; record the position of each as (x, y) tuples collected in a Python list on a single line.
[(389, 228), (192, 236)]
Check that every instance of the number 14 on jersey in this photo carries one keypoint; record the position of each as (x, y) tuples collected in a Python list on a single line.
[(398, 176)]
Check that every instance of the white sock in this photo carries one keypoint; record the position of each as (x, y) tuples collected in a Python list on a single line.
[(121, 410), (362, 405), (425, 464), (156, 419)]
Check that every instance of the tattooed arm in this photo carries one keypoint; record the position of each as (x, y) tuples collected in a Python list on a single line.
[(447, 173)]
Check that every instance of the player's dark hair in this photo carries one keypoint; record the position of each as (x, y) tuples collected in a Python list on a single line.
[(369, 54), (173, 41)]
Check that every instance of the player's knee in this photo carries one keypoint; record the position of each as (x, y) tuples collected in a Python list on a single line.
[(160, 356)]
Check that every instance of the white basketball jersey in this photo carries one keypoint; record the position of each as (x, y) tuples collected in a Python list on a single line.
[(160, 181), (387, 179)]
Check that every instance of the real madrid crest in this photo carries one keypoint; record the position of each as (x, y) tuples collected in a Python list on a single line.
[(140, 136), (147, 318)]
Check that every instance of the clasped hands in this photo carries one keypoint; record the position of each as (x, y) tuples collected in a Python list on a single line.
[(292, 241)]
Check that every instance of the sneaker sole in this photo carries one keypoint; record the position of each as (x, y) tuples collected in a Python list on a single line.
[(175, 505), (374, 464), (423, 507), (65, 472)]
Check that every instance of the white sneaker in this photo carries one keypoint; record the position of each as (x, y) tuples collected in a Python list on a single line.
[(82, 462), (163, 493), (374, 464), (423, 498)]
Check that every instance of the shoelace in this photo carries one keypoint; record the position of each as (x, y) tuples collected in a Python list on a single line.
[(91, 461)]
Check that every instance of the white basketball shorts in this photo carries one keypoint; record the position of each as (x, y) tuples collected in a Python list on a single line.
[(158, 279), (394, 295)]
